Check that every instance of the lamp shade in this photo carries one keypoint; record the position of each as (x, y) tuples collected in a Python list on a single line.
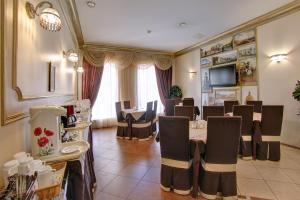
[(80, 69), (50, 20), (73, 57)]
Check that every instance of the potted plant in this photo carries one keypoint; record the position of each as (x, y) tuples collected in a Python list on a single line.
[(175, 92), (296, 93)]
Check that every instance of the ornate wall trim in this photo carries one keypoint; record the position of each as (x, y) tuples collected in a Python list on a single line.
[(285, 10)]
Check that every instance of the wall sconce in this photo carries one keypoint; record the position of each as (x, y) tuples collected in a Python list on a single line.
[(71, 55), (80, 69), (192, 74), (278, 57), (49, 17)]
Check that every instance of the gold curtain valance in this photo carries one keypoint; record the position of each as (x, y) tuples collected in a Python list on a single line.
[(124, 59)]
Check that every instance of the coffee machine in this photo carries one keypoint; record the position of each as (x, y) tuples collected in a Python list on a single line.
[(69, 120)]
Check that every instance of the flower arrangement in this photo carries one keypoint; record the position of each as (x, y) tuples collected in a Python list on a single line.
[(175, 92), (296, 93), (43, 136)]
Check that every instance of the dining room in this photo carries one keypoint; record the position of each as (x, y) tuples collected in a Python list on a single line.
[(153, 100)]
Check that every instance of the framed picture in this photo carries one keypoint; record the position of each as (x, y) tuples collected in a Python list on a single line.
[(247, 68), (218, 47), (247, 50), (228, 94), (244, 38), (206, 62), (249, 90), (224, 58), (51, 78), (205, 84)]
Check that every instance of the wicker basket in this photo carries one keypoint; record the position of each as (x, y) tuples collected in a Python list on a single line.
[(53, 190)]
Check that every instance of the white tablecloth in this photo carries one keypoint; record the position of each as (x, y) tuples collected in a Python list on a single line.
[(256, 116), (198, 133), (136, 114)]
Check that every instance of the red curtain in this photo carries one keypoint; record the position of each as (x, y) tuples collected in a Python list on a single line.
[(164, 83), (91, 79)]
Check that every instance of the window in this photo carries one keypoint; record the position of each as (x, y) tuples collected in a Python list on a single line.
[(147, 87), (104, 111)]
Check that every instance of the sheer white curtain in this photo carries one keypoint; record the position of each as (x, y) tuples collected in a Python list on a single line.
[(104, 111), (147, 88)]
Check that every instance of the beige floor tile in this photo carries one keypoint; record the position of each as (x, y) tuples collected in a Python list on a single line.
[(285, 163), (121, 186), (273, 174), (247, 170), (285, 191), (255, 188), (293, 174)]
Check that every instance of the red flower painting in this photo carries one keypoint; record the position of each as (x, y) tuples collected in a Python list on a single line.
[(49, 133), (38, 131), (43, 141)]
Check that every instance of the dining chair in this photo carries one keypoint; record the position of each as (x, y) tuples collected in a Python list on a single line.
[(188, 102), (212, 111), (169, 109), (257, 105), (154, 120), (126, 104), (218, 165), (271, 124), (246, 112), (228, 106), (142, 129), (187, 111), (176, 160), (122, 126)]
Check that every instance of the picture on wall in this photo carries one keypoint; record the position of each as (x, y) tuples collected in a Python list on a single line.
[(206, 62), (229, 94), (247, 68), (244, 38), (225, 58), (220, 46), (247, 50), (250, 91), (51, 78), (208, 99), (205, 80)]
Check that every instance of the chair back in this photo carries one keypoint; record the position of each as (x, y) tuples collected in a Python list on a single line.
[(186, 111), (271, 119), (154, 108), (188, 102), (257, 105), (169, 108), (174, 137), (246, 112), (228, 106), (223, 138), (126, 104), (119, 111), (212, 111), (149, 112)]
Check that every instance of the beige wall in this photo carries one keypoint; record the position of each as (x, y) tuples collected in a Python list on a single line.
[(276, 81), (36, 47), (189, 83)]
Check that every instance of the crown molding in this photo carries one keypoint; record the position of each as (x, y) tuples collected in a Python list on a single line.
[(112, 48), (74, 18), (285, 10)]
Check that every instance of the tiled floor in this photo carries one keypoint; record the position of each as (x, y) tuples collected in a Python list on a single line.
[(131, 170)]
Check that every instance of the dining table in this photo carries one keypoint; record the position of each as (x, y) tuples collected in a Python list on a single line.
[(256, 116), (131, 115)]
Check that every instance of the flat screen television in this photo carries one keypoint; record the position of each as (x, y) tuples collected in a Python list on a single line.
[(223, 76)]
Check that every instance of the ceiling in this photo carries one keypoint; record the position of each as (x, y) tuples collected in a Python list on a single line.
[(125, 22)]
